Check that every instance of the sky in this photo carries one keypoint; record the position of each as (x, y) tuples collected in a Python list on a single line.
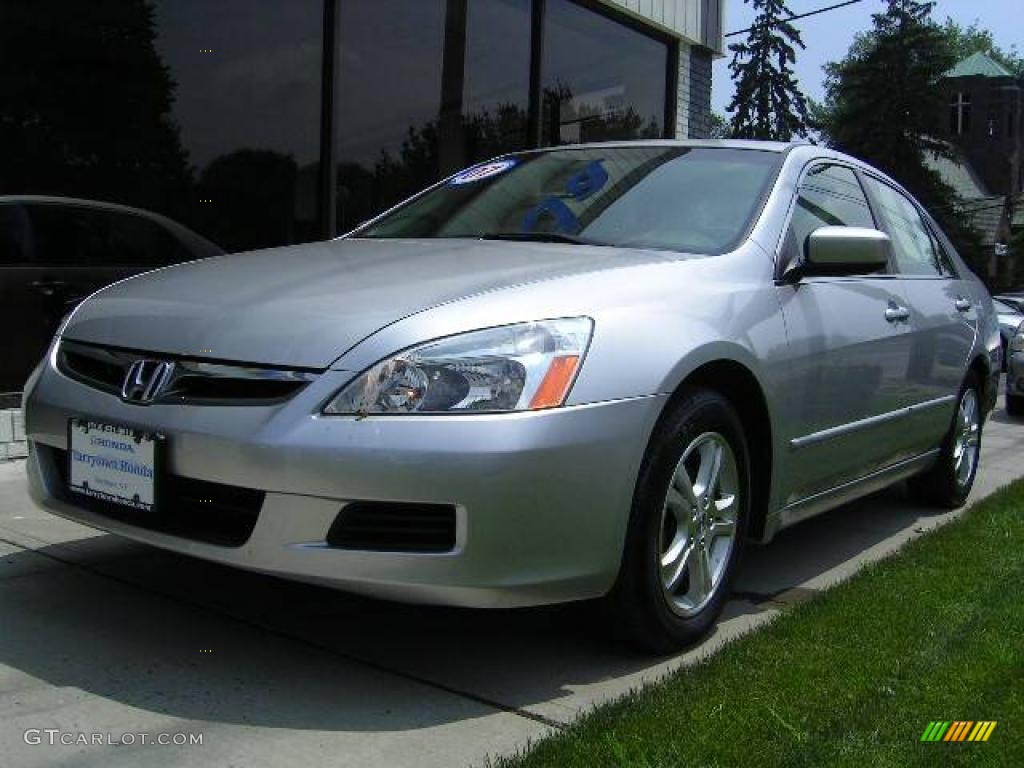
[(828, 36)]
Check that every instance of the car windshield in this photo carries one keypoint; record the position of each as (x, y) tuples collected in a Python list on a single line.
[(691, 199)]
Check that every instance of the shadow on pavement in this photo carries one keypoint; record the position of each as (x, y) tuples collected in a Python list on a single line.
[(191, 639)]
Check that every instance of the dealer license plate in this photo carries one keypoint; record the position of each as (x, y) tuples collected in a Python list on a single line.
[(113, 463)]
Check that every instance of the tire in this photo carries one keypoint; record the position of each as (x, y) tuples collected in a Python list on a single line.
[(663, 599), (948, 483), (1015, 406)]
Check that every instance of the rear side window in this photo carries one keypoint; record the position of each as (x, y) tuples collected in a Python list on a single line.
[(16, 245), (914, 248), (70, 235), (829, 196)]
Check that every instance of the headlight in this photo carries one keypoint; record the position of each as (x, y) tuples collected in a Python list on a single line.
[(511, 368)]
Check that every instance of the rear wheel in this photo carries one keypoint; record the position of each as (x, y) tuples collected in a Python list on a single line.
[(687, 526), (949, 482)]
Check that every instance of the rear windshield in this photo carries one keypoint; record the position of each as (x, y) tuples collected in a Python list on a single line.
[(691, 199)]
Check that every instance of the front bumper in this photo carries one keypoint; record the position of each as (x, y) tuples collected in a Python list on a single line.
[(542, 498)]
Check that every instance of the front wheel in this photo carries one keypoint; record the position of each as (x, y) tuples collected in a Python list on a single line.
[(949, 482), (687, 526)]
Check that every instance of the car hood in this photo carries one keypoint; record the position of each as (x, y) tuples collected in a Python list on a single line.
[(305, 306)]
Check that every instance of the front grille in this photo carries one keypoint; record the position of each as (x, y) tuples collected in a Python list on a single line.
[(394, 527), (213, 513), (192, 382)]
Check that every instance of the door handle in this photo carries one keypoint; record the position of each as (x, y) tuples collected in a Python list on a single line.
[(895, 314), (48, 287), (962, 304)]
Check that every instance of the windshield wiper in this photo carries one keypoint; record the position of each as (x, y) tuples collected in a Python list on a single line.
[(537, 237)]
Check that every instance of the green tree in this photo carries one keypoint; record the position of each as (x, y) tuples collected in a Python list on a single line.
[(881, 104), (964, 41), (718, 127), (768, 103), (85, 104)]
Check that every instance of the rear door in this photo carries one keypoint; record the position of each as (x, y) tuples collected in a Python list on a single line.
[(849, 348), (944, 319)]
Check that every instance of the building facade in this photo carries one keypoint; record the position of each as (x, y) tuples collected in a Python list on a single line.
[(983, 123), (985, 120), (267, 123), (240, 124)]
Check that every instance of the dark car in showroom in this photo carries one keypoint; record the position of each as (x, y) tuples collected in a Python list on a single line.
[(55, 251)]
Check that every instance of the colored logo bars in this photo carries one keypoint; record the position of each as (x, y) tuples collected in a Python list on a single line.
[(958, 730)]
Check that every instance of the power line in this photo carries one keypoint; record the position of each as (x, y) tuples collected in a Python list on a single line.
[(800, 16)]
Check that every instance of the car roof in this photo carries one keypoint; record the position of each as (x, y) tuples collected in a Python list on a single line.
[(100, 205), (802, 150), (76, 201), (764, 146)]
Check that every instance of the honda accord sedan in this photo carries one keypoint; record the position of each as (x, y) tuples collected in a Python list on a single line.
[(583, 372)]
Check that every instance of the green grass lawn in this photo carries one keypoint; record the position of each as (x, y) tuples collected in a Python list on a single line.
[(853, 678)]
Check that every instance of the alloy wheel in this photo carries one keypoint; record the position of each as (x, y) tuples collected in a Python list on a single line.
[(698, 524), (967, 438)]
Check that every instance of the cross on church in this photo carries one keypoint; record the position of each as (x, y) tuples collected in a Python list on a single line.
[(961, 112)]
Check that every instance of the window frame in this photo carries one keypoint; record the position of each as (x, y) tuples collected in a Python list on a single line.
[(784, 260), (539, 10), (28, 259), (112, 213), (960, 107)]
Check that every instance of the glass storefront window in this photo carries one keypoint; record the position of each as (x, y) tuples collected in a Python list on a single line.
[(203, 110), (497, 89), (601, 80), (387, 104), (209, 111), (403, 121), (246, 103)]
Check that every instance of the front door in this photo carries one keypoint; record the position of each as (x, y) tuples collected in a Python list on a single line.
[(849, 345)]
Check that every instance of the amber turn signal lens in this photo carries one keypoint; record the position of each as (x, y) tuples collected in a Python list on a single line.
[(555, 386)]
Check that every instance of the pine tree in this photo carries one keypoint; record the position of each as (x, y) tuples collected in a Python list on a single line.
[(768, 103), (881, 101)]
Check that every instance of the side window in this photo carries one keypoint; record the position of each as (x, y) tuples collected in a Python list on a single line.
[(140, 241), (829, 196), (57, 241), (914, 248), (79, 236), (16, 245)]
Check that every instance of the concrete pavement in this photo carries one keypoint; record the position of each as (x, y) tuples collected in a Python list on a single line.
[(98, 634)]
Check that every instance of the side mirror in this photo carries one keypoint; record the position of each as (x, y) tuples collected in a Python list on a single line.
[(845, 251)]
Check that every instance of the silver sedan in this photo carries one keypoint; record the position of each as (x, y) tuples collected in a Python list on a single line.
[(582, 372)]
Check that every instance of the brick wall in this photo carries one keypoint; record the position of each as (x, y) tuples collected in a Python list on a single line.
[(699, 118), (693, 97), (683, 93), (12, 435)]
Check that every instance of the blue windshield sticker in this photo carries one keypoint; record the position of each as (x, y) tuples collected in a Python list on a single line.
[(481, 172), (587, 181)]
